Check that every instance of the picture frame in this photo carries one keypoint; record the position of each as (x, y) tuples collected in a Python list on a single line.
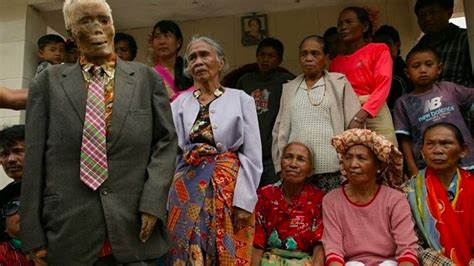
[(254, 29)]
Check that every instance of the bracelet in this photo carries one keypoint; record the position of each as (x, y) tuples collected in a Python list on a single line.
[(358, 120)]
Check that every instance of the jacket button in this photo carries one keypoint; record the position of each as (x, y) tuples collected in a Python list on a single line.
[(105, 192), (214, 127), (219, 145), (212, 111)]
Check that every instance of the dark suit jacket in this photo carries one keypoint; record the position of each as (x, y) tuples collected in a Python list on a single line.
[(60, 212)]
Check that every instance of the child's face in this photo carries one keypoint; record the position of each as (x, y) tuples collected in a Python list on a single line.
[(53, 53), (12, 225), (423, 69), (122, 49)]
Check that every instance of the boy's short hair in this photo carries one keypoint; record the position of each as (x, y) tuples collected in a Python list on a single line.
[(422, 49), (120, 36), (49, 38), (273, 43), (331, 31), (9, 136), (446, 4), (70, 44), (389, 31)]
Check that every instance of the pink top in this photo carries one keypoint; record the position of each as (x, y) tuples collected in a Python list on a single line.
[(379, 230), (369, 70), (169, 82)]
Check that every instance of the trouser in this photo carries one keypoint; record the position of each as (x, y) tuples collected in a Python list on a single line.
[(110, 261), (382, 123)]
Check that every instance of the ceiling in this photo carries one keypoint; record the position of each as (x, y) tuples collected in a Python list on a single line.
[(131, 14), (145, 13)]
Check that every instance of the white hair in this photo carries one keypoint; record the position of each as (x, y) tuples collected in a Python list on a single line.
[(217, 47), (69, 10)]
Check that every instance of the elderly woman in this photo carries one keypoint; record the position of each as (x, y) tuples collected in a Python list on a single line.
[(214, 191), (166, 40), (288, 226), (442, 199), (368, 67), (314, 107), (365, 221)]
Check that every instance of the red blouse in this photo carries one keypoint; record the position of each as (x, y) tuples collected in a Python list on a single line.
[(369, 70), (295, 226)]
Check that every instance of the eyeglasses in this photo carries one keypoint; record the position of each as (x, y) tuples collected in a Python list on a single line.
[(10, 208)]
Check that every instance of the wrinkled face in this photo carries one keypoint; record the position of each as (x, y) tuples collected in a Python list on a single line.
[(53, 53), (267, 59), (122, 49), (423, 69), (360, 165), (312, 57), (296, 164), (93, 30), (433, 18), (165, 45), (203, 62), (441, 150), (12, 160), (349, 26)]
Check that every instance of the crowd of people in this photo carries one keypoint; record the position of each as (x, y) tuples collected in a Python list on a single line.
[(362, 159)]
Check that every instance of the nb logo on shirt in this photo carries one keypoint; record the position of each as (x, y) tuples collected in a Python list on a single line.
[(432, 104)]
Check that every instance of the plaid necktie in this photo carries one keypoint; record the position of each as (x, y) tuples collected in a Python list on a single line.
[(93, 150)]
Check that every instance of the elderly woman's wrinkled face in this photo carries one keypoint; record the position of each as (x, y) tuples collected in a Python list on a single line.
[(360, 165), (93, 30), (312, 57), (296, 164), (349, 26), (203, 62), (441, 150)]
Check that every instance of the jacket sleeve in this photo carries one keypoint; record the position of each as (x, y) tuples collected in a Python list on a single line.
[(280, 132), (32, 233), (403, 232), (381, 80), (162, 161), (332, 233), (250, 156), (351, 104)]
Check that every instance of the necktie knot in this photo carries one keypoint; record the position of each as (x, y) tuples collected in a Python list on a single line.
[(96, 71)]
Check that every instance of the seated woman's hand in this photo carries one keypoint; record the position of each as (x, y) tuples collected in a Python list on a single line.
[(240, 218)]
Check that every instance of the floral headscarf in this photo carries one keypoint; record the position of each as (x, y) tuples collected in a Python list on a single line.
[(383, 149)]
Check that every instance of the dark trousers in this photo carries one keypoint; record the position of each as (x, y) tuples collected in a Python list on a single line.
[(110, 261)]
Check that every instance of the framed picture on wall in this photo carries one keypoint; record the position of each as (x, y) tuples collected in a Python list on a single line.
[(254, 29)]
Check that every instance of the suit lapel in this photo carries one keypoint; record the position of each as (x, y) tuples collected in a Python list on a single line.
[(123, 91), (73, 84)]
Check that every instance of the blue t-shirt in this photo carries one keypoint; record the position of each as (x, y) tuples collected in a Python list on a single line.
[(443, 103)]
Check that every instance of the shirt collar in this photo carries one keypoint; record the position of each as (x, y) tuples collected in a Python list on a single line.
[(108, 66), (318, 83)]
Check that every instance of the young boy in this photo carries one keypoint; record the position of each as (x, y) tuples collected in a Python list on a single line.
[(265, 86), (51, 51), (125, 46), (10, 249), (429, 103)]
